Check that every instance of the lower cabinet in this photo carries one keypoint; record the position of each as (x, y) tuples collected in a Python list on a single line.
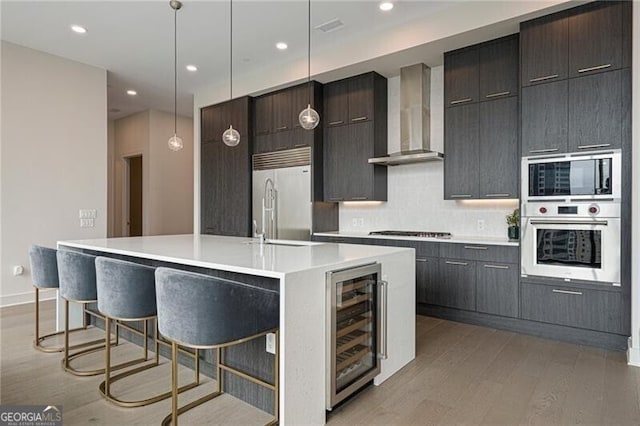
[(455, 286), (426, 277), (575, 307), (497, 289)]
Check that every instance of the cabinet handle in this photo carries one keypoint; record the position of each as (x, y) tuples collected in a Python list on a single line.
[(496, 267), (300, 145), (497, 195), (333, 123), (576, 293), (569, 222), (494, 95), (460, 101), (476, 248), (599, 67), (281, 128), (461, 196), (539, 151), (546, 77), (602, 145), (358, 198), (359, 118), (335, 199), (421, 259), (449, 262)]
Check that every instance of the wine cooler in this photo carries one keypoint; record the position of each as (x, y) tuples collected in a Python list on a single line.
[(356, 299)]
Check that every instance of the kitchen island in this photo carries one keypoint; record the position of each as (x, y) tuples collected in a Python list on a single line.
[(298, 271)]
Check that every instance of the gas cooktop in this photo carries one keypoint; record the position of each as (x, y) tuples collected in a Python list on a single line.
[(423, 234)]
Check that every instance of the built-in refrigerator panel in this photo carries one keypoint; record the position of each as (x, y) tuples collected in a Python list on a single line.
[(290, 173)]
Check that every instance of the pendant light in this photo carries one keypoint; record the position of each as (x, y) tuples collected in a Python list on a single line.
[(309, 117), (231, 137), (175, 141)]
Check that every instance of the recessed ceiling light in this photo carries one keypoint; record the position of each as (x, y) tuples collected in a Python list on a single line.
[(131, 92), (78, 29), (192, 68), (386, 6), (281, 45)]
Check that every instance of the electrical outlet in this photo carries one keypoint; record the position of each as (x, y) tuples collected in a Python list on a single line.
[(354, 222), (360, 222), (87, 213), (480, 224), (87, 223), (271, 343), (18, 270)]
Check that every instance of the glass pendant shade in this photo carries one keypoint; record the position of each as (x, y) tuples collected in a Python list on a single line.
[(175, 143), (309, 118), (231, 137)]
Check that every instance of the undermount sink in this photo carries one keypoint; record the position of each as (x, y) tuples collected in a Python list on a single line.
[(286, 243)]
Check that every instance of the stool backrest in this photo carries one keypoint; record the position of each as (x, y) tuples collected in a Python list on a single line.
[(201, 310), (44, 267), (77, 272), (126, 290)]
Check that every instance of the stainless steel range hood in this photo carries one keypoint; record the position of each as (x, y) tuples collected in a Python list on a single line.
[(415, 119)]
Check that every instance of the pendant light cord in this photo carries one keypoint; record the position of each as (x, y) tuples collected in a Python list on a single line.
[(175, 71), (309, 52), (230, 49)]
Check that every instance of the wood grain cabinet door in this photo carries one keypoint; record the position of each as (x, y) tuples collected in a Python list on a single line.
[(461, 77), (595, 111), (282, 110), (361, 98), (596, 38), (357, 173), (426, 278), (499, 69), (455, 286), (543, 49), (263, 110), (336, 103), (498, 148), (497, 289), (545, 118), (335, 139), (461, 152)]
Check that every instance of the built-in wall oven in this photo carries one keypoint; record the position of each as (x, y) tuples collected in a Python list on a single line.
[(570, 217)]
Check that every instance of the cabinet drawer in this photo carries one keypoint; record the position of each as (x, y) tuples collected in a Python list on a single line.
[(574, 307), (455, 286), (482, 252)]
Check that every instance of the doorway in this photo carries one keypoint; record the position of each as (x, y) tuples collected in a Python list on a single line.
[(135, 196)]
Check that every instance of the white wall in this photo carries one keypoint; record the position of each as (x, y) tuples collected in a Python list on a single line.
[(167, 176), (416, 191), (54, 157)]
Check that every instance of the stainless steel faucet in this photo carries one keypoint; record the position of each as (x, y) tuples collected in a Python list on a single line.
[(269, 207)]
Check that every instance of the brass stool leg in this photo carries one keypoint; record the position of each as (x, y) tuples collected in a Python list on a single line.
[(174, 383)]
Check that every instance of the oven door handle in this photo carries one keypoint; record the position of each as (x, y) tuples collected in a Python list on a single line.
[(569, 222)]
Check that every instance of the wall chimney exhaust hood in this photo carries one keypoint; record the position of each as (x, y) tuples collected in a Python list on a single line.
[(415, 130)]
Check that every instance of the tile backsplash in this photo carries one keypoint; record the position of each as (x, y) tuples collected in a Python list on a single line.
[(416, 191)]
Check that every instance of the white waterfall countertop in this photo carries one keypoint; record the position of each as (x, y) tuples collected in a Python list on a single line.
[(236, 254), (301, 268)]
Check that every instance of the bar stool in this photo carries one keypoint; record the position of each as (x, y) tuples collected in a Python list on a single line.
[(126, 292), (77, 278), (44, 275), (200, 311)]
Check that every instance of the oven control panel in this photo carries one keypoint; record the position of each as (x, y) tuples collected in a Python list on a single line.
[(546, 209)]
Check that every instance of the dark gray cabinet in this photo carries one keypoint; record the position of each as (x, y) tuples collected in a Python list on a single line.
[(282, 113), (426, 278), (574, 307), (595, 111), (497, 288), (481, 124), (544, 46), (461, 78), (455, 286), (353, 134), (498, 149), (545, 112), (225, 172), (461, 167), (263, 114), (596, 34)]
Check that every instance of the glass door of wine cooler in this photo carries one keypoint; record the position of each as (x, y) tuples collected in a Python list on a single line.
[(355, 323)]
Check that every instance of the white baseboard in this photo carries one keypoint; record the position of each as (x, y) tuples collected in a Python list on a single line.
[(633, 355), (26, 297)]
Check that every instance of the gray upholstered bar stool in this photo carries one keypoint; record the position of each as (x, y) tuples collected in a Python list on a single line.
[(44, 275), (127, 292), (200, 311), (77, 275)]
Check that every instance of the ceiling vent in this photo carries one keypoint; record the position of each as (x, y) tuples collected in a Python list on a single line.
[(329, 26)]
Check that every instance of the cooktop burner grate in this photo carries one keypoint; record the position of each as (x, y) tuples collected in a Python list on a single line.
[(423, 234)]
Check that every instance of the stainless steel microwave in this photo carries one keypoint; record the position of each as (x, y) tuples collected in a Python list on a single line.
[(584, 176)]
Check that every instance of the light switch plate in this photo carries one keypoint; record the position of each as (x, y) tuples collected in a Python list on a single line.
[(271, 343), (87, 213), (87, 223)]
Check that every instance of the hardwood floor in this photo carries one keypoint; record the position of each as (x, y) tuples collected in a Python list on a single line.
[(462, 374)]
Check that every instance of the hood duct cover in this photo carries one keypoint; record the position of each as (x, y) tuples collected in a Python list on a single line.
[(415, 119)]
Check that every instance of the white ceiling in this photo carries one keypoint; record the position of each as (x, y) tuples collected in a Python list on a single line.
[(133, 40)]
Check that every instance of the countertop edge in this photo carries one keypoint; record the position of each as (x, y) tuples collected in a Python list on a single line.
[(455, 240)]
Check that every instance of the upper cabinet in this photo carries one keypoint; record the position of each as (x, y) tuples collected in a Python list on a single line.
[(225, 172), (572, 78), (481, 121), (355, 129)]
